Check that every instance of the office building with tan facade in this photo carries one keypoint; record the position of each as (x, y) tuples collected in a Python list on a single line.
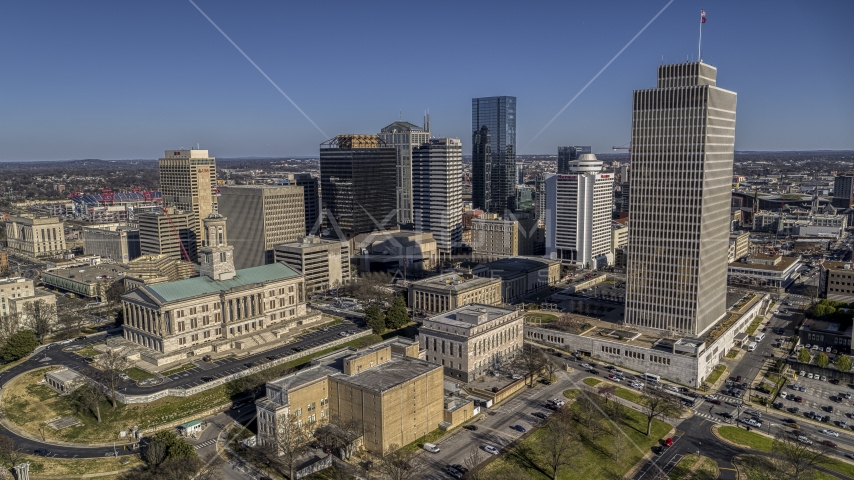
[(452, 290), (35, 236), (384, 392), (223, 309), (188, 182), (468, 341)]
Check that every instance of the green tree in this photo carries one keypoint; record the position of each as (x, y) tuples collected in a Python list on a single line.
[(375, 318), (843, 363), (821, 360), (804, 356), (823, 309), (19, 345), (397, 316), (176, 447)]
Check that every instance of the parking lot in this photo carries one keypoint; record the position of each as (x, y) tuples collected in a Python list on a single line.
[(816, 397)]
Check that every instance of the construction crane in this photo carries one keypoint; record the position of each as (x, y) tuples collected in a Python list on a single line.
[(624, 147), (184, 255)]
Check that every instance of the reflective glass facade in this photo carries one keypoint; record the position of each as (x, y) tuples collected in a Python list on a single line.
[(494, 169), (569, 154)]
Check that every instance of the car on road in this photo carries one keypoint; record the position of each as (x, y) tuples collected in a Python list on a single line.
[(519, 428), (88, 359), (490, 449), (206, 379), (752, 422), (586, 365), (614, 378), (715, 401), (271, 357), (753, 413), (41, 452), (830, 433), (473, 428), (545, 382), (249, 364), (804, 439), (711, 397), (828, 443), (726, 415), (237, 405)]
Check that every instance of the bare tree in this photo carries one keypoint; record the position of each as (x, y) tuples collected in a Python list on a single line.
[(473, 462), (10, 453), (9, 325), (113, 364), (290, 442), (89, 397), (71, 321), (531, 360), (655, 404), (795, 459), (40, 317), (397, 464), (113, 293), (551, 367), (559, 444), (211, 468)]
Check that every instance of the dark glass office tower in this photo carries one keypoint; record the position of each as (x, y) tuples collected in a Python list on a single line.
[(493, 121), (569, 154), (357, 179)]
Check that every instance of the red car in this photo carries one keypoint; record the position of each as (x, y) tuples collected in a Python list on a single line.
[(716, 402), (799, 399), (668, 442), (828, 443)]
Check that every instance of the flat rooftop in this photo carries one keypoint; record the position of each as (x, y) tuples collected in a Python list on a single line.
[(89, 274), (450, 317), (455, 282), (781, 266), (520, 264)]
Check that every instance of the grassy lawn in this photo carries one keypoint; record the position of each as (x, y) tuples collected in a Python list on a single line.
[(88, 351), (627, 394), (716, 374), (708, 469), (64, 466), (138, 374), (748, 439), (540, 317), (596, 459), (592, 381), (571, 393), (844, 468), (429, 438), (27, 404), (751, 330), (732, 353), (186, 366)]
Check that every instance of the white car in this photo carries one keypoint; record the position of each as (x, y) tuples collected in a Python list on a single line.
[(802, 373), (804, 439), (491, 449), (516, 376), (783, 394), (637, 385), (810, 375), (585, 365), (830, 433), (848, 395), (711, 397), (672, 388), (823, 378)]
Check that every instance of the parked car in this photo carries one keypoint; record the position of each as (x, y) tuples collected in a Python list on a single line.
[(540, 415), (726, 415), (490, 449), (519, 428), (41, 452), (473, 428)]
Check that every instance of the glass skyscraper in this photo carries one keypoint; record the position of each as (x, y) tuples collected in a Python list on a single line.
[(493, 121), (569, 154)]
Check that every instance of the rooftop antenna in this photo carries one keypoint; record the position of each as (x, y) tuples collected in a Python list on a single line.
[(702, 21)]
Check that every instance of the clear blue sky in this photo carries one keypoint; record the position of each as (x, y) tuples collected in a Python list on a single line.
[(119, 80)]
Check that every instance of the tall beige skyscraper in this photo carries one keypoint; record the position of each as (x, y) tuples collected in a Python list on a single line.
[(405, 136), (683, 135), (188, 183)]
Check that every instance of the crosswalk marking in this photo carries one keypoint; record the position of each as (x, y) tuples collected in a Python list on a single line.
[(205, 443)]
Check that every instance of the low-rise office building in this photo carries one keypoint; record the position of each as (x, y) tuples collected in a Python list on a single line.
[(35, 236), (836, 281), (686, 360), (493, 239), (118, 243), (395, 250), (826, 334), (17, 292), (523, 275), (471, 340), (223, 309), (453, 290), (768, 272), (88, 281), (384, 392), (324, 263)]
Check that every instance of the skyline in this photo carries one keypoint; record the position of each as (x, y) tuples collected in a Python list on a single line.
[(176, 87)]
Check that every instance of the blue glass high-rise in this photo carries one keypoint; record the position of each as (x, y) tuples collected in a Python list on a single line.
[(493, 122)]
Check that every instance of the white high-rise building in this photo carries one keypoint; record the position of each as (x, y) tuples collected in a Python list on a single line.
[(405, 136), (437, 191), (578, 214), (683, 134)]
